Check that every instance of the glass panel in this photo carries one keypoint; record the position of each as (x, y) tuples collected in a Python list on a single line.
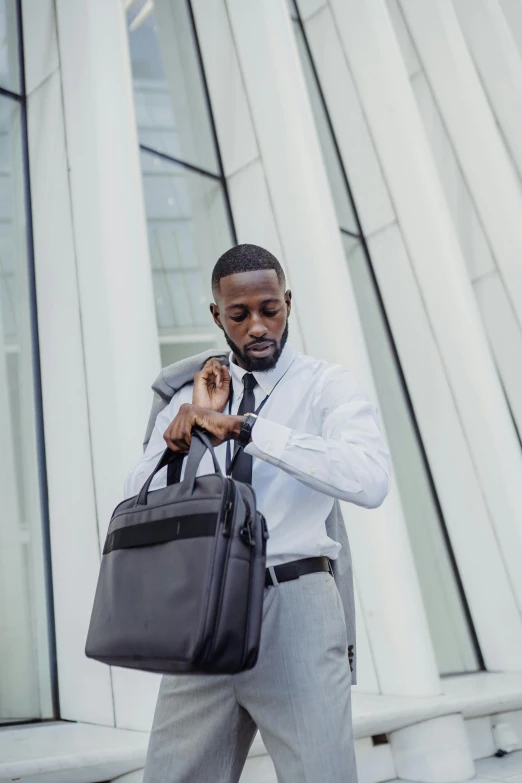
[(338, 187), (9, 64), (25, 691), (188, 231), (445, 611), (171, 108)]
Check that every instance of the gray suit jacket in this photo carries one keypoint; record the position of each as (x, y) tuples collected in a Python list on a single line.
[(177, 375)]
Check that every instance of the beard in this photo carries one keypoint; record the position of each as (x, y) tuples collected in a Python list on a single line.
[(253, 364)]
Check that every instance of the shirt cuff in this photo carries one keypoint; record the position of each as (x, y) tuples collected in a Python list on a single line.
[(269, 439)]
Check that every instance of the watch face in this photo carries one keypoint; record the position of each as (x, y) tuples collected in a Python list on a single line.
[(244, 433)]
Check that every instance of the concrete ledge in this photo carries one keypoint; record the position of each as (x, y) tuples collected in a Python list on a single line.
[(69, 753), (83, 753), (471, 695)]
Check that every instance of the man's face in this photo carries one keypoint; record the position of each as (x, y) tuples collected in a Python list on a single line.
[(252, 308)]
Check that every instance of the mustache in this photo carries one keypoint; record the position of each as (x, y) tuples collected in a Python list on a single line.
[(258, 342)]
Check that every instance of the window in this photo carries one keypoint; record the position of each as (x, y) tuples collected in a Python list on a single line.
[(188, 212), (25, 654)]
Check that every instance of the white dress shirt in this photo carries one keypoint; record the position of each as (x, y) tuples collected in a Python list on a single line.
[(317, 438)]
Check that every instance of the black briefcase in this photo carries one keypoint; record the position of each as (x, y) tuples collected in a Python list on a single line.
[(182, 576)]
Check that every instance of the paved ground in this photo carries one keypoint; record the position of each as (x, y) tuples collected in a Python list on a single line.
[(507, 769)]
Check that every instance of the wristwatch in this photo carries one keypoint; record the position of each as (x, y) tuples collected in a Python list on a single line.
[(245, 432)]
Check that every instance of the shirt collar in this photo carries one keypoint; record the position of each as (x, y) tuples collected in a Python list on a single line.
[(267, 379)]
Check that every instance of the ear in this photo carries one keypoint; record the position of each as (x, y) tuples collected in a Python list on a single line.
[(214, 309), (288, 302)]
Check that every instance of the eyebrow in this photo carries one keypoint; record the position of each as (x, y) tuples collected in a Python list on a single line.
[(264, 302)]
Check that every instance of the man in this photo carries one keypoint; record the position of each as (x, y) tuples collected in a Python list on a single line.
[(316, 439)]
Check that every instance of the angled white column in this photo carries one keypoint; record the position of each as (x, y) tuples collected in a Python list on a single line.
[(498, 61), (84, 686), (496, 191), (309, 235), (512, 10), (430, 303), (114, 279)]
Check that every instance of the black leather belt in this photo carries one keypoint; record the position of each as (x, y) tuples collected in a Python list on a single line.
[(288, 571)]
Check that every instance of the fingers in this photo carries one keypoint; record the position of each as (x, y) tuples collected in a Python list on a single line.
[(178, 434), (215, 372)]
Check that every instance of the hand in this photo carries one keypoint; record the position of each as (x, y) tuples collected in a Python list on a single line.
[(221, 427), (211, 386)]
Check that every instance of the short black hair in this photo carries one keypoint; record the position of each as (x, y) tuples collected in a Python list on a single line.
[(245, 258)]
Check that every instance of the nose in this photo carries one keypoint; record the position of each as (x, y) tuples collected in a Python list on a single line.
[(257, 327)]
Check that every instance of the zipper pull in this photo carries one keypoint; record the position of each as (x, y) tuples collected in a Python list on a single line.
[(246, 532), (266, 534), (227, 524)]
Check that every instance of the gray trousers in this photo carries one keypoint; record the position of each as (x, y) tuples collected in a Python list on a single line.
[(298, 695)]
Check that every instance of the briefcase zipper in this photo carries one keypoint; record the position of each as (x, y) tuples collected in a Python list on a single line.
[(228, 509)]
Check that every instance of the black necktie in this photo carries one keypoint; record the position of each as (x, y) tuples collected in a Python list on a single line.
[(242, 470)]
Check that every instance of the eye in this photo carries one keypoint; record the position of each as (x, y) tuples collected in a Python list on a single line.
[(271, 313), (237, 318)]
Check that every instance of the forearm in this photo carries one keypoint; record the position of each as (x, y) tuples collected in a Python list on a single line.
[(352, 466)]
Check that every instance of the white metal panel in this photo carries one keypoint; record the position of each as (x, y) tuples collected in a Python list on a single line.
[(255, 224), (383, 84), (115, 287), (119, 323), (314, 254), (504, 336), (85, 687), (499, 63), (409, 52), (230, 109), (495, 189), (470, 232), (493, 608), (512, 10), (252, 210), (350, 127), (40, 44), (471, 126), (366, 675)]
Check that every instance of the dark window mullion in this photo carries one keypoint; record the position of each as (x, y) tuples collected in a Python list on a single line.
[(228, 205), (179, 162)]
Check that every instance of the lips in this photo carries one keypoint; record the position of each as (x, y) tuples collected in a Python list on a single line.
[(260, 349)]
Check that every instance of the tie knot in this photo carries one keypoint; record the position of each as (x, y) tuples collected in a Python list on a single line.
[(249, 382)]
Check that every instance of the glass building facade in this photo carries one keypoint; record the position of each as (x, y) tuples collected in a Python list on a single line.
[(139, 139), (26, 641)]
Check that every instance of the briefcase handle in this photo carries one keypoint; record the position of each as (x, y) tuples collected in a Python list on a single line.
[(199, 445)]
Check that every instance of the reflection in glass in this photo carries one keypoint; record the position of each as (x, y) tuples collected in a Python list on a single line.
[(24, 654), (445, 611), (9, 65), (171, 108), (188, 231)]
